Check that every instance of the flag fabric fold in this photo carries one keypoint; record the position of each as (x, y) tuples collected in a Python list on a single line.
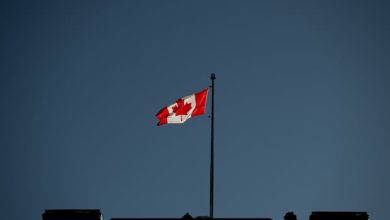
[(183, 109)]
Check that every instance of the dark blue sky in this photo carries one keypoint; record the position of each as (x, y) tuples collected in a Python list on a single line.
[(302, 107)]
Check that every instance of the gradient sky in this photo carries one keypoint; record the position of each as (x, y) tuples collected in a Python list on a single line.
[(302, 107)]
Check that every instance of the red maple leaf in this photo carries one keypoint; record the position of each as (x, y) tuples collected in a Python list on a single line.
[(181, 108)]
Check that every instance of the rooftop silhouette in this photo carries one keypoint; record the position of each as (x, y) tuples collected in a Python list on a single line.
[(95, 214)]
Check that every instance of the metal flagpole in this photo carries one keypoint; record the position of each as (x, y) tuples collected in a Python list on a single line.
[(212, 77)]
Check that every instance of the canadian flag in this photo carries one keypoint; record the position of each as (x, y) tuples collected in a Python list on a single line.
[(183, 109)]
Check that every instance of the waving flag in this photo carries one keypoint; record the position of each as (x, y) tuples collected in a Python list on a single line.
[(183, 109)]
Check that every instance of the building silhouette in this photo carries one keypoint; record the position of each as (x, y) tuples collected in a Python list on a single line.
[(72, 214), (339, 216), (95, 214)]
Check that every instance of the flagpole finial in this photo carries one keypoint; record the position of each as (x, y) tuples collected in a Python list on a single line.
[(212, 77)]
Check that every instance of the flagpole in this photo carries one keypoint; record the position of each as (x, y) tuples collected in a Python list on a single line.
[(212, 77)]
